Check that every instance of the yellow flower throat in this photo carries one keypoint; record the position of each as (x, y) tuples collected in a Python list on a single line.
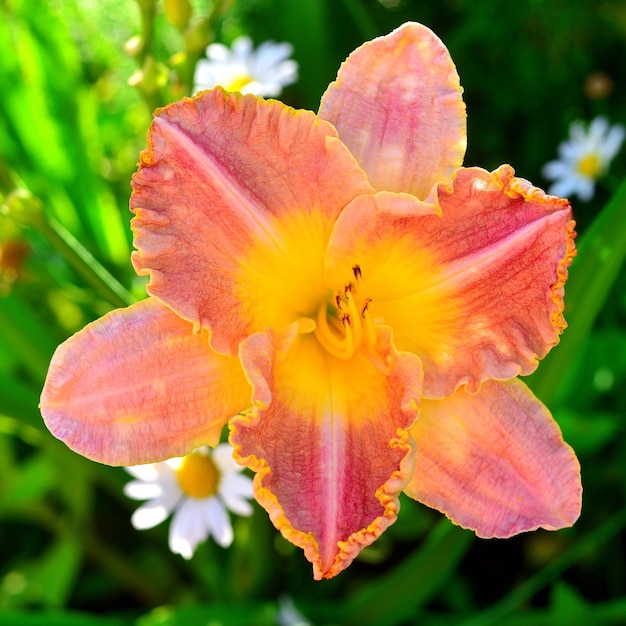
[(345, 323)]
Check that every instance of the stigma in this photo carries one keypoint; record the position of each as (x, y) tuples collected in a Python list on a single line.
[(344, 323)]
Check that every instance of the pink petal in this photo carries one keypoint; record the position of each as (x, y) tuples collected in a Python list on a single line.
[(138, 386), (228, 186), (397, 105), (477, 292), (328, 439), (495, 462)]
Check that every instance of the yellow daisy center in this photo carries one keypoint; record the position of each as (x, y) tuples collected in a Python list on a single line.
[(198, 476), (344, 323), (237, 82), (590, 166)]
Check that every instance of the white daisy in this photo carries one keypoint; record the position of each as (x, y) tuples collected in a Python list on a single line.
[(198, 488), (584, 158), (263, 72)]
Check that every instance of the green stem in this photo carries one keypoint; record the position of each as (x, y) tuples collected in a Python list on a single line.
[(84, 263), (24, 334), (548, 574), (366, 25)]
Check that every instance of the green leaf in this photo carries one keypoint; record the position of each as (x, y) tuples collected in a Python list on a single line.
[(417, 579), (566, 602), (238, 614), (22, 332), (54, 573), (588, 433), (56, 618), (31, 482), (20, 401)]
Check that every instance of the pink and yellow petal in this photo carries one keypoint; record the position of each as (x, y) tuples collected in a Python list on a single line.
[(328, 440), (225, 174), (495, 462), (397, 104), (477, 292), (138, 386)]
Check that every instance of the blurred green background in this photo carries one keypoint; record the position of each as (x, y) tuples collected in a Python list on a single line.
[(71, 129)]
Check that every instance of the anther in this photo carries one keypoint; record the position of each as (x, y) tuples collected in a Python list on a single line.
[(356, 270)]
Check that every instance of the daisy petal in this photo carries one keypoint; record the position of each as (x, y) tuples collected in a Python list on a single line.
[(234, 490), (226, 174), (237, 505), (614, 140), (269, 54), (556, 169), (156, 511), (189, 527), (495, 462), (397, 105), (222, 455), (138, 490), (148, 472), (238, 484), (217, 521), (328, 439), (138, 386)]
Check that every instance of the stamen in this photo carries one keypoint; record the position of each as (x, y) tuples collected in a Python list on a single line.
[(342, 328), (353, 313)]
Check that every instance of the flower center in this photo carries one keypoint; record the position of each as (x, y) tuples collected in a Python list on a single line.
[(198, 476), (590, 166), (344, 323), (238, 82)]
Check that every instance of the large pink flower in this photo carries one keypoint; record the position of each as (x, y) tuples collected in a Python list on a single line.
[(350, 298)]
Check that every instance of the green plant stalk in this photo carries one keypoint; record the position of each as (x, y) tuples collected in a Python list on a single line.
[(364, 22), (550, 572), (601, 255), (21, 332), (401, 591), (111, 560), (84, 263)]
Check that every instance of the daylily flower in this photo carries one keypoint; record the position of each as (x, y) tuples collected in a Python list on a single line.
[(199, 489), (263, 72), (584, 158), (355, 303)]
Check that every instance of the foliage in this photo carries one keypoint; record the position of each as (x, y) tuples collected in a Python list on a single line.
[(71, 128)]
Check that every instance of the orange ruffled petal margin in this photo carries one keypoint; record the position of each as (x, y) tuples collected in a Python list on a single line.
[(397, 104), (477, 292), (495, 462), (138, 386), (223, 174), (328, 440)]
